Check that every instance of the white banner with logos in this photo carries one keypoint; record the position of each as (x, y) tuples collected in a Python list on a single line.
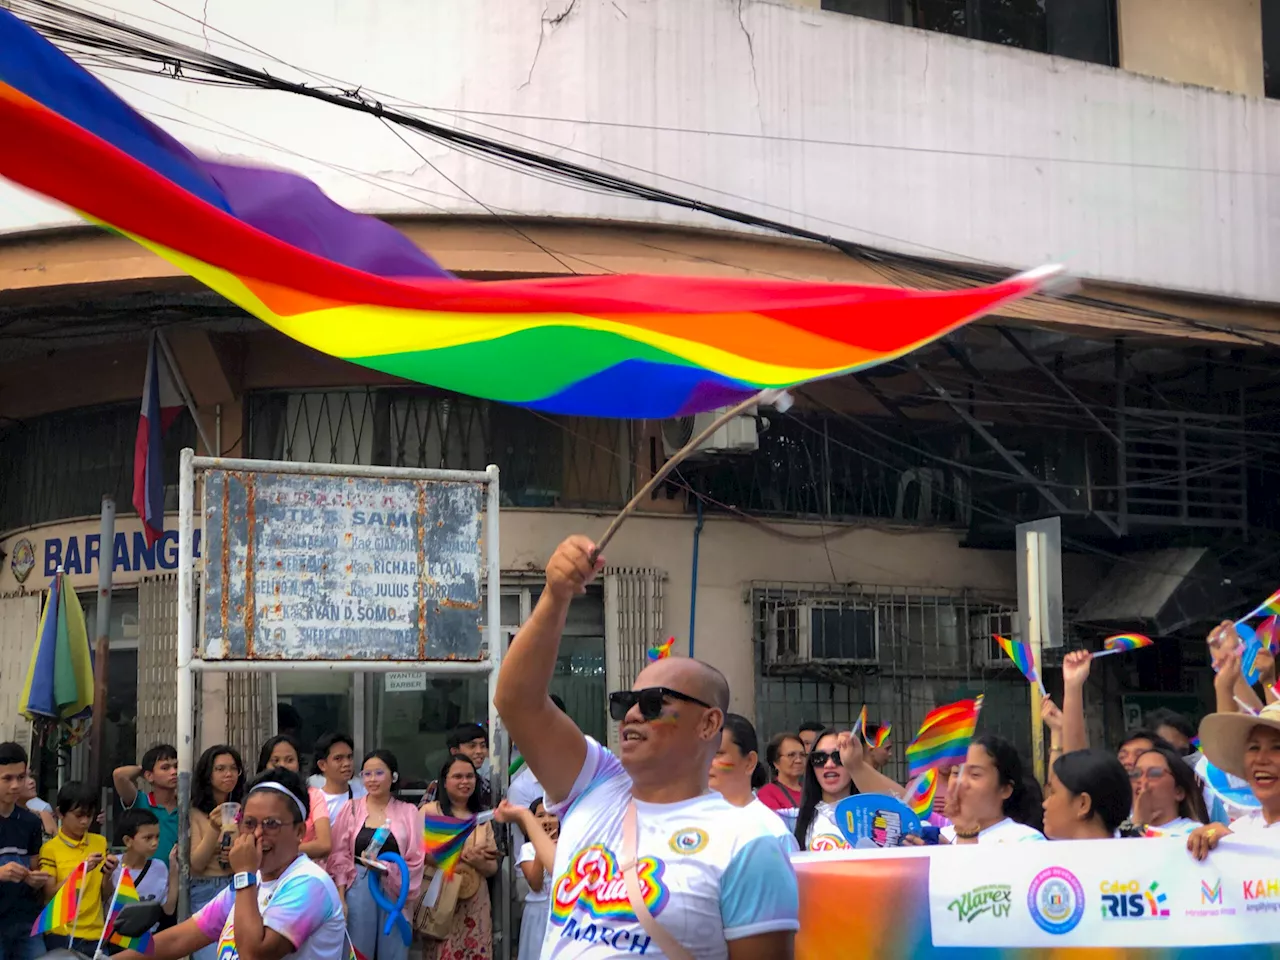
[(1104, 893)]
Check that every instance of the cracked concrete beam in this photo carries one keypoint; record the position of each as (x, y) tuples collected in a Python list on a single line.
[(552, 22)]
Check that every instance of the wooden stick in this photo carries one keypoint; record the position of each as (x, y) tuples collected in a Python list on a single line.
[(763, 398)]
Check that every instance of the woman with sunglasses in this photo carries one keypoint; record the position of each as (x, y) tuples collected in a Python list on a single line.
[(1166, 796), (786, 757), (716, 887), (736, 770), (379, 822), (826, 783), (292, 908)]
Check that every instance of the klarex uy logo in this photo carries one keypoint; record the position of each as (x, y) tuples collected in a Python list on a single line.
[(994, 899)]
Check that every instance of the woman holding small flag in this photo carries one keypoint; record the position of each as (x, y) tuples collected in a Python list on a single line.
[(280, 903), (470, 932)]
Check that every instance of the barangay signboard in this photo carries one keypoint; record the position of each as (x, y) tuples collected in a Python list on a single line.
[(1141, 898)]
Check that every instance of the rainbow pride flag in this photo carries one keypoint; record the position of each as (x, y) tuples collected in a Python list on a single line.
[(353, 287), (944, 736), (1268, 634), (1022, 657), (860, 725), (920, 794), (61, 911), (882, 735), (126, 893), (443, 839), (1124, 643)]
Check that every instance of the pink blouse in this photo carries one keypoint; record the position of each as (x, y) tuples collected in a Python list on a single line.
[(319, 811), (406, 826)]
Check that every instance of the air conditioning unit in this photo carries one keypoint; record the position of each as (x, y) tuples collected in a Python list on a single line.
[(739, 435), (983, 628), (826, 630)]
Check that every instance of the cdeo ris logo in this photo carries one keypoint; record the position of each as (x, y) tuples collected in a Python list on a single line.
[(1128, 901), (1056, 900)]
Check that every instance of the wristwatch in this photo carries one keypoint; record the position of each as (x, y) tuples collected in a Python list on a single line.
[(243, 881)]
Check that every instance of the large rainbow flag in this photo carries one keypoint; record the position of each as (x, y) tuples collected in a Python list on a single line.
[(353, 287)]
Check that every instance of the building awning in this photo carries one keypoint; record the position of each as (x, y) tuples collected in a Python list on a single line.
[(1163, 591)]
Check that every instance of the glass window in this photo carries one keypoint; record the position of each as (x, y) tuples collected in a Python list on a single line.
[(414, 724), (318, 702)]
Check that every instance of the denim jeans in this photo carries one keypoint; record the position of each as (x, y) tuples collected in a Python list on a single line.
[(16, 941)]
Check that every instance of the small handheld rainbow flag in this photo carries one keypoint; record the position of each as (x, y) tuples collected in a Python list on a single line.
[(126, 893), (444, 837), (1022, 657), (662, 650), (920, 794), (1271, 605), (944, 736), (1268, 634), (1123, 643), (64, 907), (882, 735), (860, 725)]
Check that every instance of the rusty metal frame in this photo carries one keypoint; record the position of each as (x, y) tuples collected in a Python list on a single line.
[(189, 663)]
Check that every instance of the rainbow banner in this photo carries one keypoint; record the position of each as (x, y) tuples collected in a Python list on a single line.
[(1092, 900), (353, 287)]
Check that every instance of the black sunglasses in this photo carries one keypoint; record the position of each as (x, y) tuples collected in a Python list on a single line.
[(819, 758), (650, 699)]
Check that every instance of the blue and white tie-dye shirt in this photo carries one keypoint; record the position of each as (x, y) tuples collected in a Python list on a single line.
[(709, 872), (302, 905)]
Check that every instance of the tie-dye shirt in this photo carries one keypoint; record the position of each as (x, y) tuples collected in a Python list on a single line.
[(709, 872), (301, 905)]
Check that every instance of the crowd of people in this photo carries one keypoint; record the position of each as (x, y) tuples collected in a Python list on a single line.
[(679, 845)]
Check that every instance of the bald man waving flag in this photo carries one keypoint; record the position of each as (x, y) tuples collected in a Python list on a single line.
[(650, 862)]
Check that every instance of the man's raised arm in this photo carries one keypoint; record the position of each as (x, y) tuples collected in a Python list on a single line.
[(552, 745)]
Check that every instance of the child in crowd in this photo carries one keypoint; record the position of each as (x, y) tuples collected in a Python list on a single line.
[(30, 799), (73, 845), (159, 768), (139, 834), (537, 862)]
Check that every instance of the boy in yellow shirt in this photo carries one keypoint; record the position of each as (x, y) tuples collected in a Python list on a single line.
[(73, 845)]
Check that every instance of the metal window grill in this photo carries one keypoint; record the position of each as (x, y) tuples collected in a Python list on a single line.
[(823, 651), (545, 461)]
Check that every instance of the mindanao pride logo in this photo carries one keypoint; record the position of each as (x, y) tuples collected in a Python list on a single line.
[(594, 883)]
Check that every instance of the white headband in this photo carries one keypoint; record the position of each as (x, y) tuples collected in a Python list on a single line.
[(280, 788)]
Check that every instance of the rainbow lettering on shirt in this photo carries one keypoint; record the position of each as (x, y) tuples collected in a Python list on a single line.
[(822, 842), (594, 883)]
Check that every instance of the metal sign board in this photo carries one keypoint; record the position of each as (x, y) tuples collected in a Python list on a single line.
[(1039, 546), (318, 567)]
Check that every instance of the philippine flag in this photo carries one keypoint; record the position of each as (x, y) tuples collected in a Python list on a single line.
[(161, 404)]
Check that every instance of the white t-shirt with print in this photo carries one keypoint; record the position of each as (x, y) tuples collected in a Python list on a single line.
[(302, 905), (1254, 827), (707, 872), (773, 825), (1007, 830), (823, 834), (528, 855), (151, 881)]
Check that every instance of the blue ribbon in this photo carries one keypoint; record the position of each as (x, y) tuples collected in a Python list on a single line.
[(395, 911)]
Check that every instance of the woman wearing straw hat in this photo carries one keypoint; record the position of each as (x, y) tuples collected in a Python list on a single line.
[(1247, 746)]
